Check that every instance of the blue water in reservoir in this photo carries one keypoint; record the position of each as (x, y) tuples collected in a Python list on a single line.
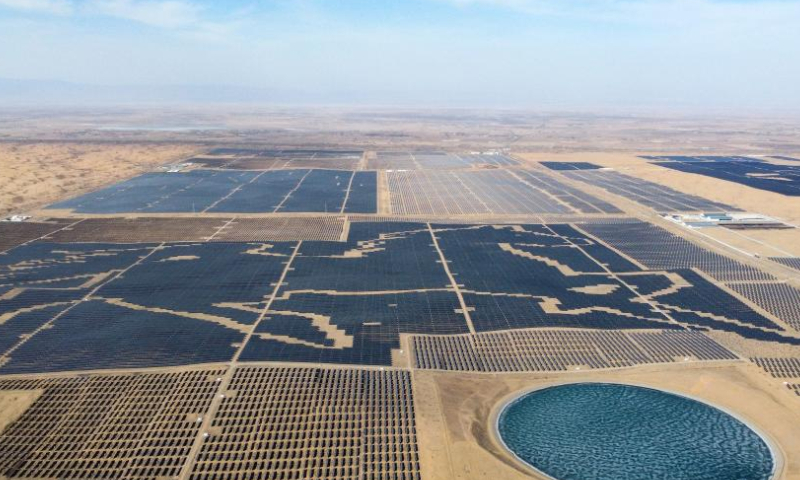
[(594, 431)]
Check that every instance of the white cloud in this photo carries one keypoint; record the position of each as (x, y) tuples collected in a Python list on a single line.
[(53, 7), (157, 13), (182, 15)]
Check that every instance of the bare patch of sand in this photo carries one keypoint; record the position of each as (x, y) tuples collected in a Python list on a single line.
[(14, 403)]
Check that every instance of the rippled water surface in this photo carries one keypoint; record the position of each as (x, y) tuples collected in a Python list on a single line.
[(594, 431)]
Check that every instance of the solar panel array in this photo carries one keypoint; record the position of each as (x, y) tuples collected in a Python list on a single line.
[(782, 179), (304, 423), (653, 195), (779, 299), (579, 200), (173, 305), (791, 262), (107, 426), (485, 192), (701, 158), (437, 161), (17, 233), (560, 350), (779, 367), (266, 159), (197, 191), (571, 165), (661, 250), (201, 229), (143, 305)]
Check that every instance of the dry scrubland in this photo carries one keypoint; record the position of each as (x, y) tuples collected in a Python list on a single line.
[(36, 174)]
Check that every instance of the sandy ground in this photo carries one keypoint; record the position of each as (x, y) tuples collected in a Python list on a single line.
[(13, 403), (456, 412), (36, 174)]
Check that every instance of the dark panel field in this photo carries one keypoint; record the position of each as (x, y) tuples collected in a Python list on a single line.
[(195, 191), (349, 302), (186, 303), (352, 329), (376, 257), (97, 335), (319, 191), (702, 158), (571, 165), (264, 194), (781, 179), (659, 249), (658, 197), (191, 191), (363, 193)]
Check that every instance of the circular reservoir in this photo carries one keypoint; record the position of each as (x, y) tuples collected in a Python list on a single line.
[(594, 431)]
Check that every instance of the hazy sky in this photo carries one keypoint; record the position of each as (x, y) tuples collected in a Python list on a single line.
[(523, 53)]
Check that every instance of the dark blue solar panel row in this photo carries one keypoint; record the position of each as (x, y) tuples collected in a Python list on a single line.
[(295, 190), (507, 287), (570, 165), (779, 299), (65, 265), (40, 281), (160, 192), (783, 179), (185, 303), (659, 249), (98, 335), (264, 194), (341, 302), (700, 158), (727, 312), (320, 191), (200, 195), (28, 310), (653, 195), (210, 278), (369, 326), (497, 312), (599, 252), (377, 256), (363, 196)]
